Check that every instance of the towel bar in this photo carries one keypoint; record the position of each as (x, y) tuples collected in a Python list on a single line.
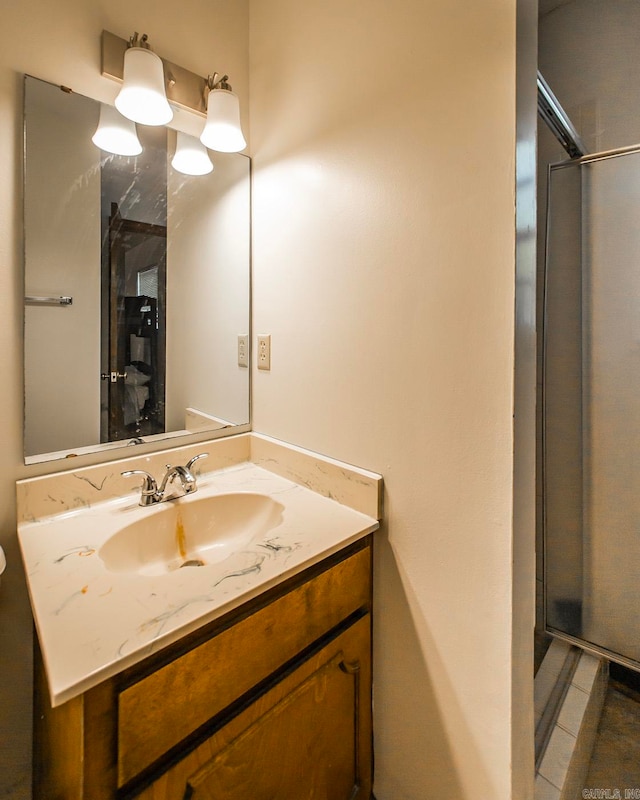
[(58, 301)]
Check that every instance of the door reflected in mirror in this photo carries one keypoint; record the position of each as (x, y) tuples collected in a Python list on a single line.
[(132, 331), (156, 264)]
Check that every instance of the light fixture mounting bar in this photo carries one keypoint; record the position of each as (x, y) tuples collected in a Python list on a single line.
[(184, 88)]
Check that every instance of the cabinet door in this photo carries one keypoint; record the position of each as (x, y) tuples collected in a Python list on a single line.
[(307, 738), (158, 712)]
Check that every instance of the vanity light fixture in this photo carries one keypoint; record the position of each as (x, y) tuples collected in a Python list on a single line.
[(209, 97), (222, 129), (191, 157), (143, 96), (115, 134)]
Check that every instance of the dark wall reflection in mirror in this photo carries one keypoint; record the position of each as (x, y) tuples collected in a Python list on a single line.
[(157, 266)]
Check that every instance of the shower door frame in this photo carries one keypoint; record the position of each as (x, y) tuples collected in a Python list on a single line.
[(590, 647)]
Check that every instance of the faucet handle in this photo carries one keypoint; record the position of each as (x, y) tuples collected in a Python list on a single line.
[(149, 486), (193, 460)]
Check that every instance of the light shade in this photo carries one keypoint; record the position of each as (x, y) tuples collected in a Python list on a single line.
[(115, 134), (222, 131), (142, 97), (191, 157)]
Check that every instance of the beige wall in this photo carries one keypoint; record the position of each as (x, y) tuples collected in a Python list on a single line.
[(61, 43), (62, 237), (384, 270), (208, 255), (384, 141)]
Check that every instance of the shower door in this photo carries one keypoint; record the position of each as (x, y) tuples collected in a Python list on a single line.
[(591, 408)]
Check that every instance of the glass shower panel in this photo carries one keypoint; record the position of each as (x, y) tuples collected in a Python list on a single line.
[(592, 404), (562, 392)]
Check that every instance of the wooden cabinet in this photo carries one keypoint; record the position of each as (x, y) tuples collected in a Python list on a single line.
[(273, 702), (308, 736)]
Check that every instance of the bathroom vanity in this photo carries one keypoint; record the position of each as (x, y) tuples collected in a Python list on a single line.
[(270, 700), (249, 676)]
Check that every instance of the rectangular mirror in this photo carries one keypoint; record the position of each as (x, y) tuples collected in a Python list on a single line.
[(137, 286)]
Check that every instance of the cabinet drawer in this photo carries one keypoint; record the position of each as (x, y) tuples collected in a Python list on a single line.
[(162, 709)]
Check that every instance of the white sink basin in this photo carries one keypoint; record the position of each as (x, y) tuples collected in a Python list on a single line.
[(190, 532)]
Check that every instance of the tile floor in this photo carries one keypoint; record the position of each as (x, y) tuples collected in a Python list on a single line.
[(567, 750), (615, 762)]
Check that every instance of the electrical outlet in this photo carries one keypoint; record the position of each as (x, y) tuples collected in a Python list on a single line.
[(264, 351), (243, 350)]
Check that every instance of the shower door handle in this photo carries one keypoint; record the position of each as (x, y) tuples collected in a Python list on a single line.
[(112, 376)]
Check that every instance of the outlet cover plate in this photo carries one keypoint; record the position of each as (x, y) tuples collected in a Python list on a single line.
[(264, 351), (243, 350)]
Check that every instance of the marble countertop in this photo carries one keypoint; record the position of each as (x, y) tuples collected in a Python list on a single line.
[(92, 623)]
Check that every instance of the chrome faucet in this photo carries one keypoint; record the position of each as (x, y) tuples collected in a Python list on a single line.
[(151, 494)]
